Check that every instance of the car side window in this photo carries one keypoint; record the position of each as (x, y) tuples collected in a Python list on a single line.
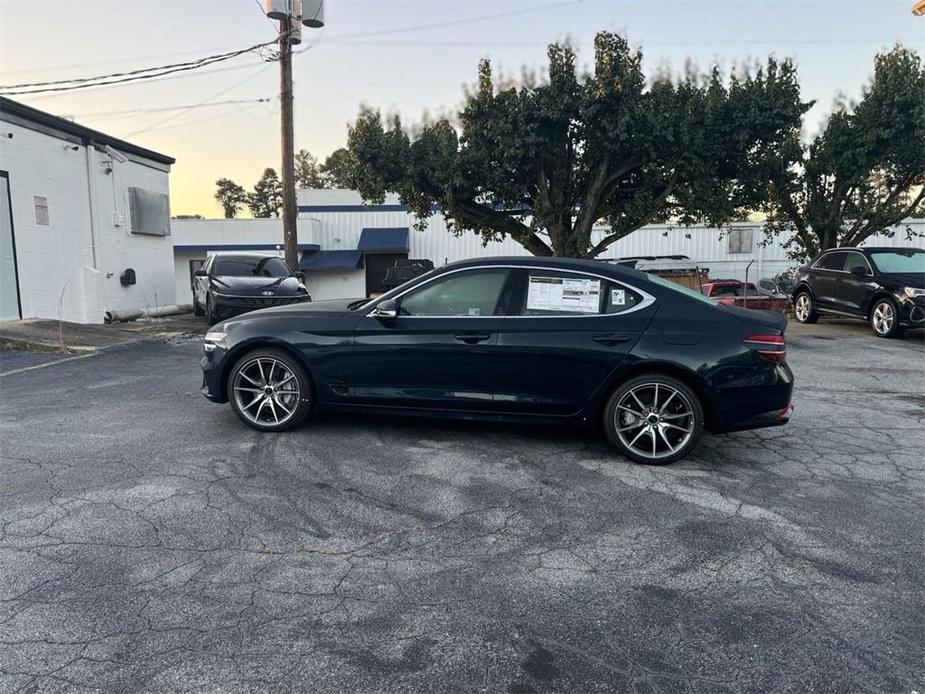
[(469, 293), (856, 260), (831, 261), (555, 293)]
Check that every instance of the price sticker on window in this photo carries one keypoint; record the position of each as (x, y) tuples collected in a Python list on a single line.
[(618, 297)]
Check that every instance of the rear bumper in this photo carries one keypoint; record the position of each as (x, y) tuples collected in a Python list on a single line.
[(768, 419)]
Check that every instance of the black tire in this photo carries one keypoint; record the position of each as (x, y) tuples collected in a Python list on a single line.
[(809, 315), (197, 309), (301, 403), (662, 430), (884, 318)]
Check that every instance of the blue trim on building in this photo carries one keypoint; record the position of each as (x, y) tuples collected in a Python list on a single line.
[(202, 248), (384, 240), (332, 260)]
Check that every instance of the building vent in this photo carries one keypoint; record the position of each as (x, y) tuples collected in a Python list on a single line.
[(741, 240), (150, 212)]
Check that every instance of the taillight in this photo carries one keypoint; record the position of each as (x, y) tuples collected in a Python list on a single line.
[(771, 347)]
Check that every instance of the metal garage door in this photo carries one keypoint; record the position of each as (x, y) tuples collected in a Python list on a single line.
[(9, 280)]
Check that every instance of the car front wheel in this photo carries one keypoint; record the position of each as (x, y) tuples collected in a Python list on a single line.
[(654, 419), (884, 319), (269, 390), (803, 309)]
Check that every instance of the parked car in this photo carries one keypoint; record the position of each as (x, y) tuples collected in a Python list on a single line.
[(885, 286), (746, 295), (230, 284), (545, 340)]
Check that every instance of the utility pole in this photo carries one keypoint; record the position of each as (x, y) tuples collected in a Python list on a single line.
[(290, 213), (290, 17)]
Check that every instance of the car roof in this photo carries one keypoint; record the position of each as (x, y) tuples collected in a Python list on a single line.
[(596, 267)]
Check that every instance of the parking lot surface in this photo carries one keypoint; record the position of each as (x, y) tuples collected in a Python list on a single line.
[(150, 542)]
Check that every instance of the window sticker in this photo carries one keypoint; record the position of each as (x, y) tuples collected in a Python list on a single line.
[(475, 311), (563, 294), (618, 297)]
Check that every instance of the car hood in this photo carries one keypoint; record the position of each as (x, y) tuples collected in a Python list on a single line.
[(906, 279), (765, 319), (246, 286), (312, 308)]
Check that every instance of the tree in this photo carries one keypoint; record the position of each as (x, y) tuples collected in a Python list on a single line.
[(338, 168), (266, 200), (542, 162), (230, 196), (308, 173), (863, 174)]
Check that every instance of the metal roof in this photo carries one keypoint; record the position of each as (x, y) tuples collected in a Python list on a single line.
[(23, 115)]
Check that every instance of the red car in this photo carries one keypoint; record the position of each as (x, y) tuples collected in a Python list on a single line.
[(746, 295)]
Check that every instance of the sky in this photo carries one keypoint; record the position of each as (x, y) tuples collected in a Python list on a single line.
[(409, 57)]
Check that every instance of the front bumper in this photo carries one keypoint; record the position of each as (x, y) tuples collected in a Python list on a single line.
[(912, 311), (211, 364), (227, 305)]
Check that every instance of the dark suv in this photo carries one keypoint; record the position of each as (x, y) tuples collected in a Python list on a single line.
[(885, 286)]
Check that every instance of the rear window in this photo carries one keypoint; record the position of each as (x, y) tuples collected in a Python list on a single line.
[(681, 289)]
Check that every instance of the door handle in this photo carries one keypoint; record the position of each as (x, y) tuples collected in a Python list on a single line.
[(473, 338), (611, 339)]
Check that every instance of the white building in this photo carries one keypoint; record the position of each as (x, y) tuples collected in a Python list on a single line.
[(346, 245), (84, 220)]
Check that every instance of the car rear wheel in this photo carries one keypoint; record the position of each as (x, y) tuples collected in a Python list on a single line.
[(654, 419), (803, 309), (269, 390), (884, 319)]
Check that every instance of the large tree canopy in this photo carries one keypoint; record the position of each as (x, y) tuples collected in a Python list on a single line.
[(863, 173), (543, 161)]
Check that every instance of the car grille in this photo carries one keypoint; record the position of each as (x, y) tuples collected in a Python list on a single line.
[(262, 301)]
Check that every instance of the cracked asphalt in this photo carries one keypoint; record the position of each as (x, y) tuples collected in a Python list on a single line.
[(149, 542)]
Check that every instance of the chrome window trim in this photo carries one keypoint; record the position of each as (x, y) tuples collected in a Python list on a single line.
[(647, 299), (870, 270)]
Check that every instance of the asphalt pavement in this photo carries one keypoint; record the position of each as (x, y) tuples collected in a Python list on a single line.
[(149, 542)]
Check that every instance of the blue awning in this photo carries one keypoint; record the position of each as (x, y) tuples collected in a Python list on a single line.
[(384, 240), (332, 260)]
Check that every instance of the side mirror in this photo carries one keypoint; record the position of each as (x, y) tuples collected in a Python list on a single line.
[(858, 271), (385, 309), (200, 273)]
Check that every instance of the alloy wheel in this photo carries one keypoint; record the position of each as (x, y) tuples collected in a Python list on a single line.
[(803, 307), (884, 316), (654, 420), (266, 391)]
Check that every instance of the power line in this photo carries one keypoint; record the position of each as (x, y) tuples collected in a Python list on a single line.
[(124, 77), (106, 114)]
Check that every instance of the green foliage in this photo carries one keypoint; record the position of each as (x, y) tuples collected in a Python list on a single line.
[(308, 172), (543, 162), (230, 196), (266, 200), (863, 174), (338, 169)]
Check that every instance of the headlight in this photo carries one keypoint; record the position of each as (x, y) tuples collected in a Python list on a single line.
[(913, 292), (213, 339)]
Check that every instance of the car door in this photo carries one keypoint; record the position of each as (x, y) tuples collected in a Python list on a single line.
[(567, 334), (852, 292), (437, 352), (823, 276), (201, 284)]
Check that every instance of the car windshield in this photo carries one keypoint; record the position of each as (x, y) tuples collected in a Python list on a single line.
[(693, 293), (900, 261), (245, 266)]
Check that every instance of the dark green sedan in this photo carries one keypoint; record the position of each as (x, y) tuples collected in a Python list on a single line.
[(535, 339)]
